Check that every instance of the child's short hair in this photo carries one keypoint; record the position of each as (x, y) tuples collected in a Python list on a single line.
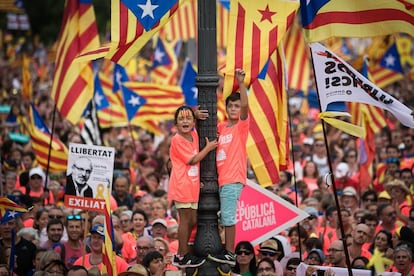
[(184, 107), (235, 96)]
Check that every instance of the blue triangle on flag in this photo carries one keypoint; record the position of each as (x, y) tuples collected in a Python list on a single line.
[(99, 96), (262, 74), (187, 83), (120, 76), (38, 121), (132, 102), (391, 59), (161, 57), (149, 12)]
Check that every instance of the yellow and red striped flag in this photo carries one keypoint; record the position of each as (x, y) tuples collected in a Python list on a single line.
[(73, 81), (41, 142), (108, 256), (27, 87), (183, 25), (161, 101), (268, 143), (255, 30), (132, 26), (322, 19), (297, 59)]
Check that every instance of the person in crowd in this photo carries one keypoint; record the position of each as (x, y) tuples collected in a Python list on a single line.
[(388, 217), (245, 259), (359, 262), (311, 175), (73, 248), (154, 262), (231, 162), (382, 251), (184, 185), (144, 245), (336, 254), (399, 193), (77, 270), (315, 257), (403, 257), (360, 236), (298, 237), (95, 257), (266, 267), (291, 266), (349, 199), (55, 267), (159, 228), (270, 249), (121, 187), (135, 270), (368, 197), (125, 218), (54, 231)]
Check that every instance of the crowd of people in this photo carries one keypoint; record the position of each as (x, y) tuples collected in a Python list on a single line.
[(371, 229)]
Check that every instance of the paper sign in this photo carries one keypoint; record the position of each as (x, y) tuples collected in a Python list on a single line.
[(89, 176)]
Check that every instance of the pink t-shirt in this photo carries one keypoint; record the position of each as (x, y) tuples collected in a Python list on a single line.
[(231, 152), (184, 185)]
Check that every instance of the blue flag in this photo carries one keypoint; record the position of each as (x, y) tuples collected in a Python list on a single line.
[(120, 76), (187, 84)]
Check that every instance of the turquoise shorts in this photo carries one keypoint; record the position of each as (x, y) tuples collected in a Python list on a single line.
[(229, 195)]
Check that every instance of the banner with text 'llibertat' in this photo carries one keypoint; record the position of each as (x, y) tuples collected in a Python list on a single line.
[(89, 176)]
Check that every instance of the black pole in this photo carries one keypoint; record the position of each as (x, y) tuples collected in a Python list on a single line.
[(338, 209), (207, 240)]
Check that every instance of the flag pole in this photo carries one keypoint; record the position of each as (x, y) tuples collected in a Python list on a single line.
[(332, 179), (294, 172), (46, 190)]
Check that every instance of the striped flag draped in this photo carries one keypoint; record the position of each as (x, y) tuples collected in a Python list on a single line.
[(40, 136), (322, 19), (73, 81), (109, 256), (297, 59), (255, 30), (267, 145), (133, 24)]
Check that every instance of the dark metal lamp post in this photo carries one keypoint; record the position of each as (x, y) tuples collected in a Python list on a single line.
[(207, 239)]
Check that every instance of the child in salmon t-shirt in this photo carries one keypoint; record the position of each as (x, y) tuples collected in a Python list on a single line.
[(232, 164), (184, 185)]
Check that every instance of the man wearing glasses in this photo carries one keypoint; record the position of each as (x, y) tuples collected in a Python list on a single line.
[(76, 184), (336, 254)]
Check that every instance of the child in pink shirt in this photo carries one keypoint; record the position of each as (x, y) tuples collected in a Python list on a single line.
[(184, 185)]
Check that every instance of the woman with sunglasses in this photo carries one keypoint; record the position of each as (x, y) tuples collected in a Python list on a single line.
[(245, 259)]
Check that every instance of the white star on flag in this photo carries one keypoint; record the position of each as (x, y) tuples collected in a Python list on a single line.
[(98, 99), (134, 101), (158, 55), (390, 60), (195, 91), (118, 78), (148, 9), (12, 214)]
